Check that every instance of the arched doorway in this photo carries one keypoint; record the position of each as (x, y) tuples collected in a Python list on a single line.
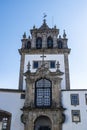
[(42, 123)]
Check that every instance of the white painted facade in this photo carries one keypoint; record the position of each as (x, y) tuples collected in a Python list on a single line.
[(66, 101), (11, 102)]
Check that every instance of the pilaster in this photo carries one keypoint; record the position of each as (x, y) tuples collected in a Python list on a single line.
[(67, 71), (21, 71)]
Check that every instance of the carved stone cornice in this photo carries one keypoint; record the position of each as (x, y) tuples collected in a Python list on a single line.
[(46, 51), (57, 113), (52, 108), (43, 72)]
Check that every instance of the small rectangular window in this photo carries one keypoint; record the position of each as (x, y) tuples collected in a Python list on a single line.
[(52, 64), (22, 96), (74, 99), (86, 98), (76, 116), (35, 64)]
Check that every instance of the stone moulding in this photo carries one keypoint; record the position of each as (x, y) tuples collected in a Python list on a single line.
[(46, 51)]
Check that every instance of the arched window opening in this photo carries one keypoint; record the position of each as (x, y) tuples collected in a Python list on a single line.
[(43, 93), (28, 46), (60, 45), (49, 42), (5, 119), (39, 43)]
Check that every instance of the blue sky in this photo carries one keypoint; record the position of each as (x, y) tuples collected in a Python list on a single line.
[(18, 16)]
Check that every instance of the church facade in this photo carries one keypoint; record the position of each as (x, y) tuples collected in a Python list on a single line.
[(44, 100)]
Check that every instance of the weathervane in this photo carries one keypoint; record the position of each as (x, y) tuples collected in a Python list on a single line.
[(44, 15)]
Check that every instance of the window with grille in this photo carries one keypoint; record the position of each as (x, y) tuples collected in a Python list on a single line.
[(43, 93), (5, 119), (74, 99), (76, 116)]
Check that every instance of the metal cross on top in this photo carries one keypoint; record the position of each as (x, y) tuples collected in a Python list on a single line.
[(43, 56)]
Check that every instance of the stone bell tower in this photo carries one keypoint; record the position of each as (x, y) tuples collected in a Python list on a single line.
[(44, 72)]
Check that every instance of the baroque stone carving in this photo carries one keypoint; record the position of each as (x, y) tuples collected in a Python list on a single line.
[(24, 118)]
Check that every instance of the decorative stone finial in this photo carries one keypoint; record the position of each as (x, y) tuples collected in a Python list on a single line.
[(44, 18), (28, 66), (29, 37), (58, 65), (34, 27), (59, 36), (44, 21), (55, 27), (64, 34), (24, 35), (58, 70)]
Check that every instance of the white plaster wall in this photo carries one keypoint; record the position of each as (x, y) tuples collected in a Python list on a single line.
[(69, 125), (11, 102), (31, 58)]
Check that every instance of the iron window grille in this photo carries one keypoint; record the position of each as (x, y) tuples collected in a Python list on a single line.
[(5, 120), (74, 99), (76, 116), (43, 93)]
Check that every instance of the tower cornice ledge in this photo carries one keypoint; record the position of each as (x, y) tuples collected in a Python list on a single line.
[(46, 51)]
